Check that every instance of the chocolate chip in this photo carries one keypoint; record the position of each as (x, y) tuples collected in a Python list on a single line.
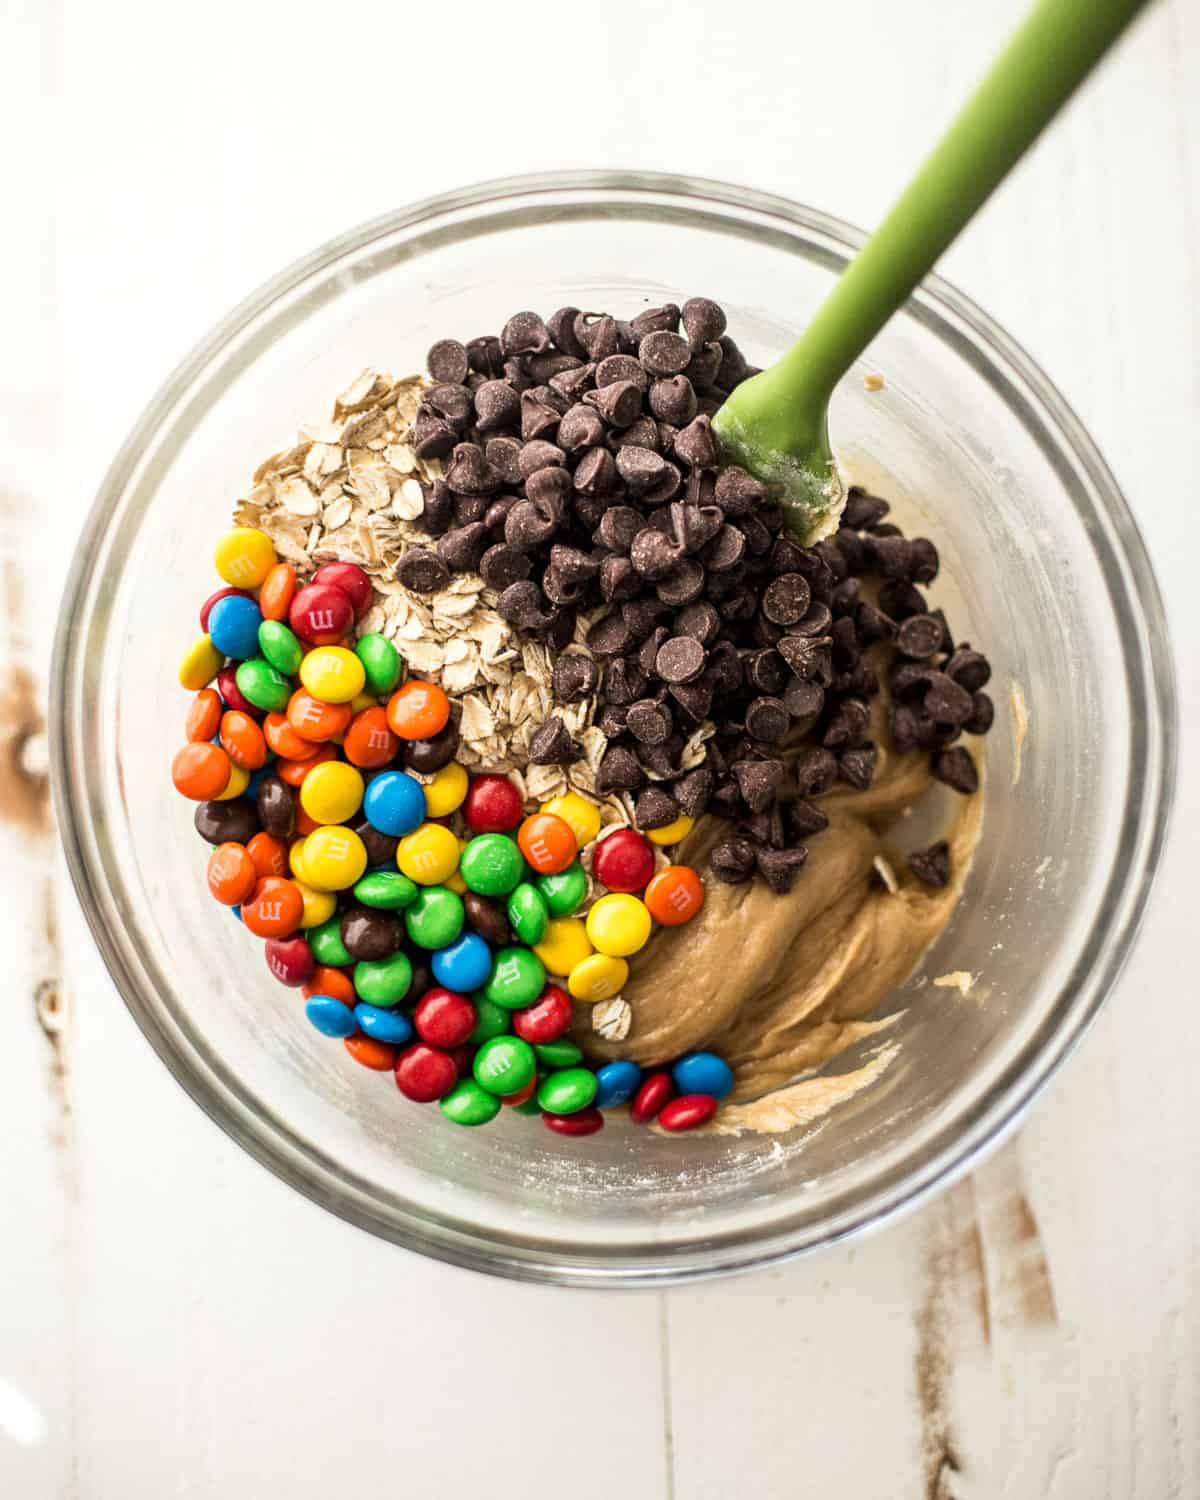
[(767, 719), (829, 555), (673, 400), (452, 403), (462, 548), (780, 867), (525, 527), (551, 744), (871, 624), (485, 355), (597, 332), (890, 555), (702, 370), (701, 621), (439, 508), (619, 404), (759, 782), (738, 492), (845, 644), (640, 468), (703, 320), (919, 637), (863, 510), (497, 405), (680, 659), (650, 647), (810, 657), (447, 362), (538, 418), (805, 819), (618, 579), (846, 596), (663, 353), (611, 721), (610, 636), (470, 508), (767, 671), (618, 771), (561, 590), (969, 669), (732, 861), (580, 430), (983, 714), (924, 562), (682, 585), (430, 755), (815, 772), (539, 455), (522, 605), (618, 527), (667, 487), (486, 918), (909, 679), (693, 790), (885, 528), (544, 367), (786, 600), (664, 319), (625, 685), (642, 616), (650, 722), (571, 385), (956, 768), (503, 455), (803, 700), (899, 599), (725, 550), (694, 526), (697, 444), (640, 434), (904, 724), (422, 571), (653, 555), (948, 701), (857, 766), (524, 333), (734, 368), (764, 828), (575, 677), (932, 865), (431, 437), (621, 367), (655, 808), (818, 621), (380, 847), (501, 565), (562, 330)]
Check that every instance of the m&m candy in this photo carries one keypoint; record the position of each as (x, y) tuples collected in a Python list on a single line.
[(623, 861), (675, 895), (547, 842), (492, 805), (394, 803)]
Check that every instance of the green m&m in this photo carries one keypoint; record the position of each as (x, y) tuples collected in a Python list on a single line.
[(564, 892), (490, 1020), (436, 918), (504, 1065), (280, 646), (259, 683), (327, 946), (517, 978), (468, 1104), (491, 864), (560, 1053), (528, 913), (383, 981), (387, 890), (569, 1090), (382, 663)]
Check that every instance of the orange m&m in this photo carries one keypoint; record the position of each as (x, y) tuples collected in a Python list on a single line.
[(372, 1054), (369, 742), (231, 874), (277, 592), (274, 909), (675, 895), (314, 720), (270, 855), (284, 740), (201, 772), (242, 740), (294, 771), (329, 981), (204, 715), (547, 842), (418, 710)]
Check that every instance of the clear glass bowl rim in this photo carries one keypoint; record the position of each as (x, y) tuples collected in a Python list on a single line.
[(1150, 679)]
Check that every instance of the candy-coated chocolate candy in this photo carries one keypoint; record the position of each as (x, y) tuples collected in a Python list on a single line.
[(333, 674), (672, 833), (382, 663), (257, 777), (565, 891), (597, 978), (567, 1090), (656, 1089), (463, 1055), (445, 793), (239, 780), (493, 804), (529, 1106), (616, 1083), (201, 772), (383, 1025), (280, 646), (528, 913), (327, 981), (206, 608), (369, 1053), (276, 807), (330, 1016), (455, 882), (262, 686), (464, 964), (546, 1019), (619, 925), (386, 889), (321, 614), (334, 859), (305, 824), (352, 581), (468, 1104), (623, 861), (204, 716), (443, 1018), (315, 720), (275, 908), (284, 741), (226, 822), (564, 944), (201, 663), (231, 695), (688, 1111), (703, 1073), (418, 710), (547, 843), (319, 906), (485, 917), (369, 934), (394, 803), (332, 792), (290, 960), (427, 756), (381, 847), (505, 1065), (675, 895), (492, 864), (430, 855), (580, 815), (369, 742), (383, 981), (244, 557), (516, 980), (425, 1073), (233, 626), (521, 1095), (270, 855), (435, 919), (242, 740), (490, 1020), (276, 592), (231, 874), (558, 1054), (582, 1122)]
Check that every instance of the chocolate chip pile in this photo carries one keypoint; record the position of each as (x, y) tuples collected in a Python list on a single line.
[(583, 478)]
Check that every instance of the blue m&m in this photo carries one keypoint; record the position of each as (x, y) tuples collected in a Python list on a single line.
[(233, 626), (394, 803), (463, 966), (330, 1016), (383, 1025), (703, 1073), (616, 1083)]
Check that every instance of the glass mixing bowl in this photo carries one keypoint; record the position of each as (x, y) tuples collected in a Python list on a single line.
[(979, 450)]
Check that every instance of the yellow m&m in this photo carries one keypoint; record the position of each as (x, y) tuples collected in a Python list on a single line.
[(334, 859), (429, 855), (319, 906), (332, 792), (580, 815), (618, 925), (564, 944), (244, 557), (447, 791), (673, 832), (239, 780), (597, 978), (201, 663), (333, 674)]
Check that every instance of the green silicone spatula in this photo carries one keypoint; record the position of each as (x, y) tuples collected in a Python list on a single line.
[(776, 424)]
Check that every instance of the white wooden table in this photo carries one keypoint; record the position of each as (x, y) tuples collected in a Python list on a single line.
[(1035, 1332)]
